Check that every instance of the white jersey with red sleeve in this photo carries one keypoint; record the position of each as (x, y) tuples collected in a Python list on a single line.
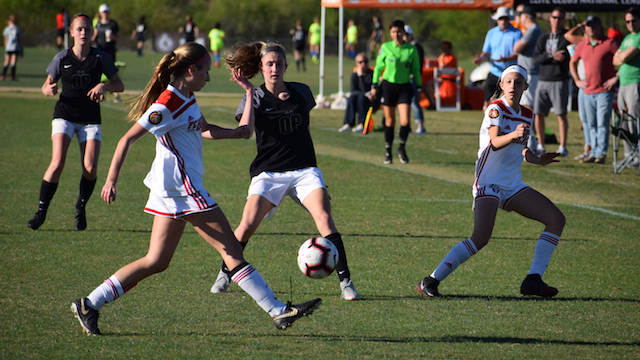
[(501, 167), (176, 122)]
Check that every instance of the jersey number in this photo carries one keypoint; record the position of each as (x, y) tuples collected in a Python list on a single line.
[(290, 123)]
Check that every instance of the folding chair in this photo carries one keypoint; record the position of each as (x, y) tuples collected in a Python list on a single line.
[(446, 71), (621, 134)]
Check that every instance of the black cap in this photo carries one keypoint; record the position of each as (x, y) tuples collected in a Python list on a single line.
[(592, 19), (529, 10)]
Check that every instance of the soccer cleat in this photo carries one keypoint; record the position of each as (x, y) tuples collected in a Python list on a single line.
[(87, 316), (81, 219), (221, 284), (358, 128), (349, 292), (294, 312), (533, 285), (345, 127), (37, 219), (402, 154), (387, 158), (429, 287)]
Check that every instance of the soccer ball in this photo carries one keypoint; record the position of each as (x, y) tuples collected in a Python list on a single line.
[(317, 257)]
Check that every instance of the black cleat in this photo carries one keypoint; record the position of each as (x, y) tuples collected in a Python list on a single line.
[(294, 312), (81, 219), (402, 154), (533, 285), (37, 220), (429, 287), (87, 316), (387, 158)]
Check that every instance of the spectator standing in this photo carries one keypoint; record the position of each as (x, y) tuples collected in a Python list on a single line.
[(106, 35), (415, 103), (525, 48), (299, 45), (553, 81), (360, 98), (516, 23), (498, 48), (139, 34), (190, 30), (446, 59), (629, 61), (377, 37), (12, 47), (314, 39), (216, 40), (574, 38), (60, 27), (350, 40), (597, 53), (400, 61)]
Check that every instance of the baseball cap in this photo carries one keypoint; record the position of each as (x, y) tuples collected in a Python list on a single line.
[(104, 8), (502, 11), (592, 19), (529, 10), (408, 29)]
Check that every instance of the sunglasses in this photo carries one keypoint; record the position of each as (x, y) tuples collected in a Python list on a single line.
[(363, 61), (557, 17), (630, 21)]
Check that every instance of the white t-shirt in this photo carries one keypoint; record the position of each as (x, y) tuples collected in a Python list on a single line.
[(501, 167), (176, 122)]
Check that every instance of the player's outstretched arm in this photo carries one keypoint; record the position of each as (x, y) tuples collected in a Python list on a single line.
[(109, 189)]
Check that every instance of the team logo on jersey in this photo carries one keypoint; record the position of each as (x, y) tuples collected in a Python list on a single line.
[(493, 113), (507, 127), (155, 117)]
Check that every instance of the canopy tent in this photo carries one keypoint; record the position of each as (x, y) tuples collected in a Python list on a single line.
[(487, 5)]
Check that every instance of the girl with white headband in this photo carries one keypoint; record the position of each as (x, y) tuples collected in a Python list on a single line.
[(498, 184), (285, 164)]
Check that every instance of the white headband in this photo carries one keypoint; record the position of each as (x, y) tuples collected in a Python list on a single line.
[(514, 69)]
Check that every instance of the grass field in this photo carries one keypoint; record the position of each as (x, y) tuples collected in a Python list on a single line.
[(397, 221)]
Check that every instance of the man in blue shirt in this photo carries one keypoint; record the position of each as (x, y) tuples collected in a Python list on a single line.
[(498, 48)]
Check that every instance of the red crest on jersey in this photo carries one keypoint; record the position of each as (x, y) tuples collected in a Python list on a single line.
[(493, 113), (155, 117)]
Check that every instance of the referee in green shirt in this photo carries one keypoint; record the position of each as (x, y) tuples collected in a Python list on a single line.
[(399, 61)]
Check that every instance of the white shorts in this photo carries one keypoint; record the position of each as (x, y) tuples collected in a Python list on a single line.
[(528, 96), (504, 196), (274, 186), (83, 131), (176, 207)]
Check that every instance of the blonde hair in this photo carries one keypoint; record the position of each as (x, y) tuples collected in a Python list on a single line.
[(247, 56), (174, 63)]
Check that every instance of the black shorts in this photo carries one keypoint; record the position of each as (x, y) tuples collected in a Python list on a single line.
[(61, 32), (394, 94), (490, 86), (299, 45)]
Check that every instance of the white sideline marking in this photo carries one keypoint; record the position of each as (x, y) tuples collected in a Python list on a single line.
[(560, 172), (445, 151), (625, 184), (610, 212)]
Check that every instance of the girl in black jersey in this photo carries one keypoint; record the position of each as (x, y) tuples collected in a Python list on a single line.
[(77, 112), (286, 161)]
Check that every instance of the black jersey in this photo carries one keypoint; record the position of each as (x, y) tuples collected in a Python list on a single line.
[(104, 38), (77, 78), (282, 129)]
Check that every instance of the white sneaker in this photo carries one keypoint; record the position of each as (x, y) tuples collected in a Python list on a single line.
[(358, 128), (221, 284), (349, 292), (345, 127), (421, 130)]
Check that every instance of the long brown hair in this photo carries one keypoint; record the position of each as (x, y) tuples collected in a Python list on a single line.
[(246, 56), (174, 63)]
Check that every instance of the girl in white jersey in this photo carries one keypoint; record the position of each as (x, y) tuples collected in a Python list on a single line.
[(285, 164), (498, 184), (169, 111)]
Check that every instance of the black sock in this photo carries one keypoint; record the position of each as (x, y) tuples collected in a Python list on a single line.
[(388, 137), (342, 268), (86, 189), (224, 267), (4, 70), (303, 66), (13, 71), (404, 134), (47, 190)]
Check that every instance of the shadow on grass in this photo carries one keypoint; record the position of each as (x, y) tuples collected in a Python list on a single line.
[(495, 298)]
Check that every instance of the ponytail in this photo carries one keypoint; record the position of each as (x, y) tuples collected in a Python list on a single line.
[(246, 56)]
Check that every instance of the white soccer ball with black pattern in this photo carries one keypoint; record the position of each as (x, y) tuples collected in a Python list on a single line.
[(317, 257)]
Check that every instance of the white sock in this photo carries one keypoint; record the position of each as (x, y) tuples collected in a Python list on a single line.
[(250, 280), (460, 253), (540, 147), (108, 291), (545, 246), (560, 148)]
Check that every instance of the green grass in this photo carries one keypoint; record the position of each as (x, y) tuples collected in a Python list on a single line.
[(397, 222)]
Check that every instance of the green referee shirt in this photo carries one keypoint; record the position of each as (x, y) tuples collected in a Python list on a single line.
[(398, 63)]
